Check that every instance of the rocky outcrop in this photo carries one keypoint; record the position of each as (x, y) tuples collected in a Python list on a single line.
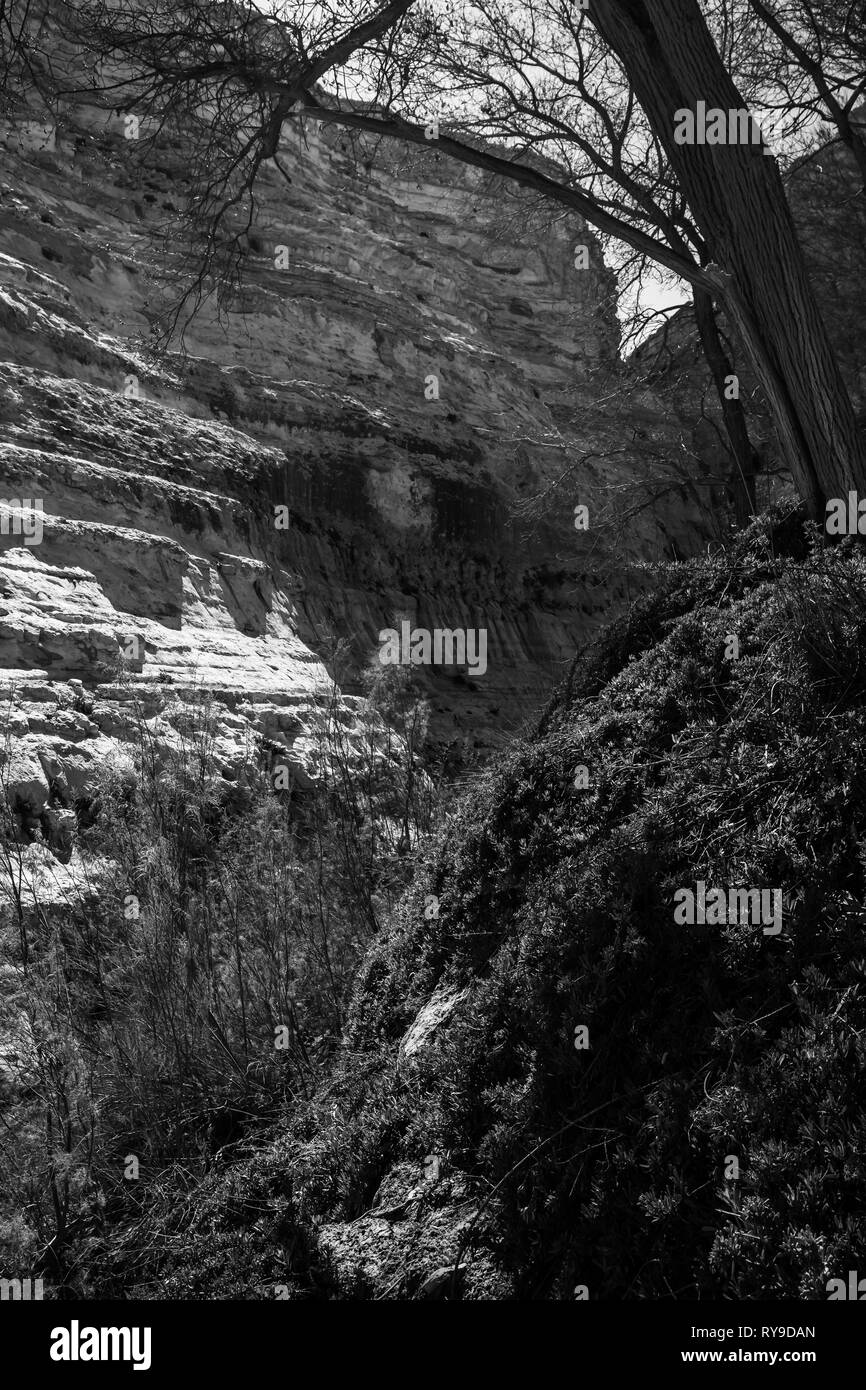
[(214, 522)]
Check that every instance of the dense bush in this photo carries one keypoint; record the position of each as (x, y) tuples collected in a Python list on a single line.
[(607, 1167), (542, 907)]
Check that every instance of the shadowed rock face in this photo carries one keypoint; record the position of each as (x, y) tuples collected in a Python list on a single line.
[(830, 217), (160, 554)]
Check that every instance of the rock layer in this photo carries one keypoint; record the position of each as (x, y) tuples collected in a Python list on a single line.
[(215, 521)]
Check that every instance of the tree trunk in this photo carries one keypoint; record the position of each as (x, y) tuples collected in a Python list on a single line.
[(744, 456), (854, 140), (738, 201)]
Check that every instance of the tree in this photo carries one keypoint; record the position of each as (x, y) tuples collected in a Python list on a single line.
[(250, 77), (228, 73), (826, 46), (738, 201), (24, 55), (547, 84)]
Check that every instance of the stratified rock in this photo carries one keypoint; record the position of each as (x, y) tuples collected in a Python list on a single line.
[(213, 524)]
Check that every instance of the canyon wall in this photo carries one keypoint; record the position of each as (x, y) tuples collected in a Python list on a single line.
[(217, 519)]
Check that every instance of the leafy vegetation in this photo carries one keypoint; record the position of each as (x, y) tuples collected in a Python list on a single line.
[(540, 907), (194, 980)]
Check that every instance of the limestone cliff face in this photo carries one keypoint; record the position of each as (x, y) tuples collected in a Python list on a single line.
[(161, 557)]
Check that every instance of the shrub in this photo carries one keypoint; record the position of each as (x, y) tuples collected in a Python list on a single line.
[(610, 1167)]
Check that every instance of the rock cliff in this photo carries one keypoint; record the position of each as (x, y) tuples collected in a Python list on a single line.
[(214, 520)]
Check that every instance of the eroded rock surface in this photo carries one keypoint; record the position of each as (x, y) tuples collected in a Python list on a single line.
[(212, 523)]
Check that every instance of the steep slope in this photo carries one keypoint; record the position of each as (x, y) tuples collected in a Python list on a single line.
[(552, 1087)]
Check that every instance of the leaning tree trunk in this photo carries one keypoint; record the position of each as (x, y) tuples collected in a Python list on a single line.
[(734, 416), (736, 196)]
